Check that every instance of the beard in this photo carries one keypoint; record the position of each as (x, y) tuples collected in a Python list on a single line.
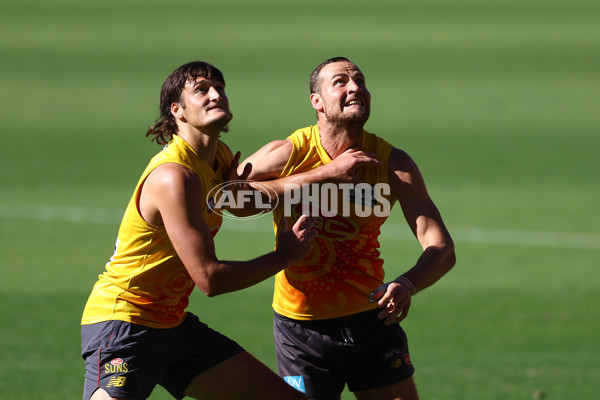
[(338, 118)]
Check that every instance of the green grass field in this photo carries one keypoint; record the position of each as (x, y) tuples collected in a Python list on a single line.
[(497, 101)]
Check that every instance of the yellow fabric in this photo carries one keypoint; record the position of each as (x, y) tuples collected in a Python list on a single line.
[(335, 279), (145, 282)]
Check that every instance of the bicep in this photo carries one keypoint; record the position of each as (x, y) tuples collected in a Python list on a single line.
[(269, 161), (408, 187), (177, 194)]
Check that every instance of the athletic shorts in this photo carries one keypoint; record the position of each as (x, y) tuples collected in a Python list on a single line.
[(129, 360), (320, 357)]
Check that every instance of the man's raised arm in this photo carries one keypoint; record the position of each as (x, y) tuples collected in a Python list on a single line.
[(269, 162)]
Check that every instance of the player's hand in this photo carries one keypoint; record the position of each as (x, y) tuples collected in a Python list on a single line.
[(232, 172), (394, 301), (343, 167), (294, 244), (238, 183)]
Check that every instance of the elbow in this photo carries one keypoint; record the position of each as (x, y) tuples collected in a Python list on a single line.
[(208, 283), (211, 288), (208, 290), (450, 255)]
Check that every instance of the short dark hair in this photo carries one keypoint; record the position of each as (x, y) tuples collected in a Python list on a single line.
[(165, 126), (314, 76)]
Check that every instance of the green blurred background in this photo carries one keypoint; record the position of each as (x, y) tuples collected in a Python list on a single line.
[(496, 100)]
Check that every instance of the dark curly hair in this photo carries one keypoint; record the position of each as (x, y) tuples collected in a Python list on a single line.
[(165, 127)]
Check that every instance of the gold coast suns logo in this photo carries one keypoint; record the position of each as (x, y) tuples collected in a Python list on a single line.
[(332, 228), (116, 365)]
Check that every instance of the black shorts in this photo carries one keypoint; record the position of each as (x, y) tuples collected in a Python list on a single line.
[(320, 357), (129, 360)]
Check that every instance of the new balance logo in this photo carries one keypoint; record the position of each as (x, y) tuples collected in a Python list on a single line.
[(297, 382), (116, 381)]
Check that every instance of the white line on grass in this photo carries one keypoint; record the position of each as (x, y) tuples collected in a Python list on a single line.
[(519, 237), (48, 212)]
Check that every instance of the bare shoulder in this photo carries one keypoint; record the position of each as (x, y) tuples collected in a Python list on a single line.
[(171, 176), (279, 144), (276, 148), (270, 160), (165, 189), (404, 175), (402, 165)]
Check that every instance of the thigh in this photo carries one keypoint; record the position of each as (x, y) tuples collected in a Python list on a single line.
[(101, 394), (121, 359), (193, 349), (241, 377), (381, 357), (404, 390), (309, 358)]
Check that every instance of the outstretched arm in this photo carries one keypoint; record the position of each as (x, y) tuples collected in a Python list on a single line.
[(268, 163), (170, 196), (424, 219)]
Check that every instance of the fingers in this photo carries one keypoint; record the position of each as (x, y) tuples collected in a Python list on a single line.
[(311, 235), (302, 228), (364, 162), (344, 166), (232, 171), (394, 303), (394, 313), (297, 243), (362, 158), (397, 315), (235, 162), (236, 158), (403, 313), (378, 293), (304, 223), (246, 172), (385, 296)]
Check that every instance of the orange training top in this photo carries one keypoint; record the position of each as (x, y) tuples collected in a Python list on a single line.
[(335, 279)]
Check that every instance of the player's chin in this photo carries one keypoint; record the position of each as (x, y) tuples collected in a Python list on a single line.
[(361, 116), (222, 122)]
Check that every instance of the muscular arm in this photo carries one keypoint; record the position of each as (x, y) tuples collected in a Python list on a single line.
[(424, 219), (171, 195), (268, 164)]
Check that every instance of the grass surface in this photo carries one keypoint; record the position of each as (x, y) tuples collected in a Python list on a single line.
[(496, 101)]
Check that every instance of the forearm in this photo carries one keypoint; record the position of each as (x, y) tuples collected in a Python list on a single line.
[(229, 276), (280, 185), (434, 262)]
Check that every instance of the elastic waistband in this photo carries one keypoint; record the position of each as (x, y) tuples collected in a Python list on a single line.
[(331, 322)]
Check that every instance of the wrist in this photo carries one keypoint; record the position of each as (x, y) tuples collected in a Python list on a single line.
[(406, 282), (282, 258), (321, 174)]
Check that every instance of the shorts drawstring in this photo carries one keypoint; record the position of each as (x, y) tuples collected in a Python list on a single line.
[(347, 335)]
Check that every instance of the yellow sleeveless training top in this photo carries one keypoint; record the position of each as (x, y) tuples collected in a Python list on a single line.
[(145, 282), (336, 277)]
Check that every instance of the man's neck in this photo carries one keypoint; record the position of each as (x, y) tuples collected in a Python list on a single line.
[(204, 144), (336, 139)]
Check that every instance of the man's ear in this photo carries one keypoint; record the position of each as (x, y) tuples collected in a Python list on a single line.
[(316, 101), (176, 110)]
